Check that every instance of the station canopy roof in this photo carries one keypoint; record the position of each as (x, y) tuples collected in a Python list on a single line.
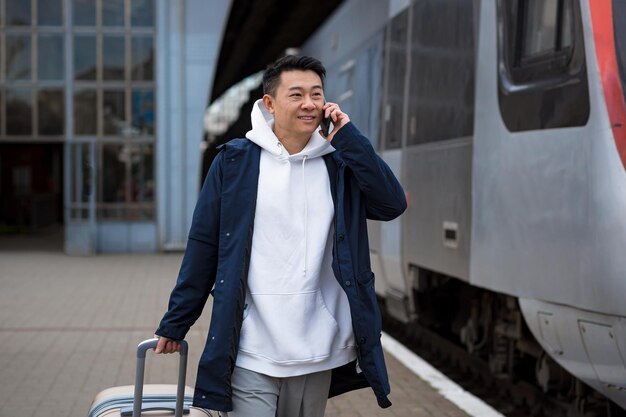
[(259, 31)]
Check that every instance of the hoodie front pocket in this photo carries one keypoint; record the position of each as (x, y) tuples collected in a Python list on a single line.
[(289, 328)]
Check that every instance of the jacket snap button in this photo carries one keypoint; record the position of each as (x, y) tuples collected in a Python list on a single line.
[(348, 283), (227, 234), (362, 340), (340, 238)]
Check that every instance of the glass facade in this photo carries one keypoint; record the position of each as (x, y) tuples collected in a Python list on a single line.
[(104, 101), (32, 74)]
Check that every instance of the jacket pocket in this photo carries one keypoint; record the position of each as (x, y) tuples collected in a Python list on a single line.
[(366, 278), (289, 328)]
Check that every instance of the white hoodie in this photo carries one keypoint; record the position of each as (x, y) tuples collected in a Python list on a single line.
[(296, 318)]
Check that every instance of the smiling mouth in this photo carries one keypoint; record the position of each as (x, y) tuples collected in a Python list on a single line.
[(306, 118)]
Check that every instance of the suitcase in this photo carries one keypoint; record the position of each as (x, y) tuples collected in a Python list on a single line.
[(157, 400)]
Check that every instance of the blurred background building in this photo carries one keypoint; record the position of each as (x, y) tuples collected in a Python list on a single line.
[(101, 114)]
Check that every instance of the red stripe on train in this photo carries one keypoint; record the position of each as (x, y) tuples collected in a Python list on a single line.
[(603, 36)]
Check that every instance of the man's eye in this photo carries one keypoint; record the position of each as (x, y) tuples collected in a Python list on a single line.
[(295, 95)]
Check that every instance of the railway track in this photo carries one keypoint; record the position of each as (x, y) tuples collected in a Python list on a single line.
[(512, 398)]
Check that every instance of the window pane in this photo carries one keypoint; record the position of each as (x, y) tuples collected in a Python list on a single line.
[(567, 28), (142, 173), (84, 12), (51, 108), (441, 87), (117, 187), (142, 13), (50, 12), (85, 112), (113, 58), (540, 28), (18, 12), (113, 13), (86, 169), (19, 105), (395, 80), (114, 158), (80, 177), (76, 214), (51, 62), (142, 54), (18, 57), (114, 113), (85, 57), (143, 112)]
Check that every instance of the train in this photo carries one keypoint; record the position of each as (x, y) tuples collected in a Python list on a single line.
[(505, 121)]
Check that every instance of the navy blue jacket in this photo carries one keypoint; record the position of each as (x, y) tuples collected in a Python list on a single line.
[(218, 253)]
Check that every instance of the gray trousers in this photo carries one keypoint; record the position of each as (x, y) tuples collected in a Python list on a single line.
[(258, 395)]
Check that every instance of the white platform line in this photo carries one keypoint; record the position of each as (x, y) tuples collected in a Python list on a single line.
[(447, 388)]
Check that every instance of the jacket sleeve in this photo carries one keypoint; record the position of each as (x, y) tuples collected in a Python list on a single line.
[(384, 196), (197, 272)]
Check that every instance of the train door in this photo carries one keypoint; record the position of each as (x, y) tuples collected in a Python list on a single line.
[(388, 235), (427, 121)]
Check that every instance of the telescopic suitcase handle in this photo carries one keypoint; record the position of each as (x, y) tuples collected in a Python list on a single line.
[(139, 374)]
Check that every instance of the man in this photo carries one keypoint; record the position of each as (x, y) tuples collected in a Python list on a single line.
[(279, 238)]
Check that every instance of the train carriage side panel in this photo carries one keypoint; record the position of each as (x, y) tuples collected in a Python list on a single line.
[(604, 272), (549, 189), (529, 209), (590, 338)]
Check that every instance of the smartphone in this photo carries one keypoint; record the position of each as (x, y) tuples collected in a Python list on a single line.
[(325, 124)]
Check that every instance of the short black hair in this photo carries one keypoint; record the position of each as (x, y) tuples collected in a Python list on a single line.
[(271, 76)]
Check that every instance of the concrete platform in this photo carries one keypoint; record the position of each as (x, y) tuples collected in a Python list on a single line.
[(69, 327)]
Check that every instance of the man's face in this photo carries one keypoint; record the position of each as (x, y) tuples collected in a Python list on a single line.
[(297, 104)]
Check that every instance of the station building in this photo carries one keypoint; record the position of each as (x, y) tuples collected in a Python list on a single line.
[(101, 112)]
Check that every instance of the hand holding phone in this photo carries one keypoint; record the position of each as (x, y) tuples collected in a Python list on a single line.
[(325, 123)]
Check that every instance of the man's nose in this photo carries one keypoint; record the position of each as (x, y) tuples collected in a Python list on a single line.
[(308, 103)]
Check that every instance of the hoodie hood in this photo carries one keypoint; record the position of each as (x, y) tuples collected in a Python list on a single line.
[(262, 134)]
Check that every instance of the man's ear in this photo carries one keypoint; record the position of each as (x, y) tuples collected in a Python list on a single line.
[(268, 102)]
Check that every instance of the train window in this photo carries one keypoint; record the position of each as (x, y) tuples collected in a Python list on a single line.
[(395, 69), (547, 27), (619, 15), (542, 70), (540, 27), (541, 37), (567, 26), (442, 77)]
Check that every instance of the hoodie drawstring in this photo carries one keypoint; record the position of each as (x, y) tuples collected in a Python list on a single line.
[(306, 216)]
